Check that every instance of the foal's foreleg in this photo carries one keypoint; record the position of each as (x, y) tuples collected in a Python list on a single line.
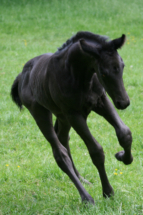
[(43, 118), (123, 133), (95, 150), (62, 128)]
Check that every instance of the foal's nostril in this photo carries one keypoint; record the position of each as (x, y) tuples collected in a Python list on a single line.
[(122, 104), (127, 103)]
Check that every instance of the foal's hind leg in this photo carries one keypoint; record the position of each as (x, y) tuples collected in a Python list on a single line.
[(43, 118), (62, 128), (124, 136)]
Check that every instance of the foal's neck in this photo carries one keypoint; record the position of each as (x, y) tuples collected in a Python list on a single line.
[(80, 66)]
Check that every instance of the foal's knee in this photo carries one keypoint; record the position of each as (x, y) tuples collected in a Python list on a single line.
[(125, 137), (97, 155)]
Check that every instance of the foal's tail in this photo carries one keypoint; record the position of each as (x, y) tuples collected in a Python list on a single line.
[(14, 92)]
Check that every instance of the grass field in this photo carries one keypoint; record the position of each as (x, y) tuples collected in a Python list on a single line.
[(30, 181)]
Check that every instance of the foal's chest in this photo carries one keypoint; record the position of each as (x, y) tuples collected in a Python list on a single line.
[(90, 101)]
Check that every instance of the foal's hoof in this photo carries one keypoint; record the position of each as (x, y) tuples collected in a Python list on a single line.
[(120, 156), (108, 193), (83, 180), (88, 200)]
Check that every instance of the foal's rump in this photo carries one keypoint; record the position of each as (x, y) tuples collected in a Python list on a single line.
[(14, 92), (20, 90)]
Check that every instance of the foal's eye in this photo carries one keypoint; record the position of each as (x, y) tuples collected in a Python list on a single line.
[(116, 69)]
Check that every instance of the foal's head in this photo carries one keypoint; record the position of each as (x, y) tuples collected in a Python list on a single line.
[(109, 68)]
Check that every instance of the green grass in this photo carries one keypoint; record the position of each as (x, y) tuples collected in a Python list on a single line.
[(30, 181)]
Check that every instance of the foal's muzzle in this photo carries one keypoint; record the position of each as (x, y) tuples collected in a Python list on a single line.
[(122, 104)]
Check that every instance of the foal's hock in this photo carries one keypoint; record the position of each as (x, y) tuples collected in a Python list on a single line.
[(70, 84)]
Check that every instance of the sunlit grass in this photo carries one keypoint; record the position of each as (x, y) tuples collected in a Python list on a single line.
[(30, 180)]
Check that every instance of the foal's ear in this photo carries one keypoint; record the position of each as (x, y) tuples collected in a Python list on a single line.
[(119, 42), (88, 48)]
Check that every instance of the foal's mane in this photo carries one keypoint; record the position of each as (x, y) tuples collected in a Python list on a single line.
[(101, 40)]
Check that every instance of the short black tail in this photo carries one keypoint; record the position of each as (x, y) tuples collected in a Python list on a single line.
[(14, 93)]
